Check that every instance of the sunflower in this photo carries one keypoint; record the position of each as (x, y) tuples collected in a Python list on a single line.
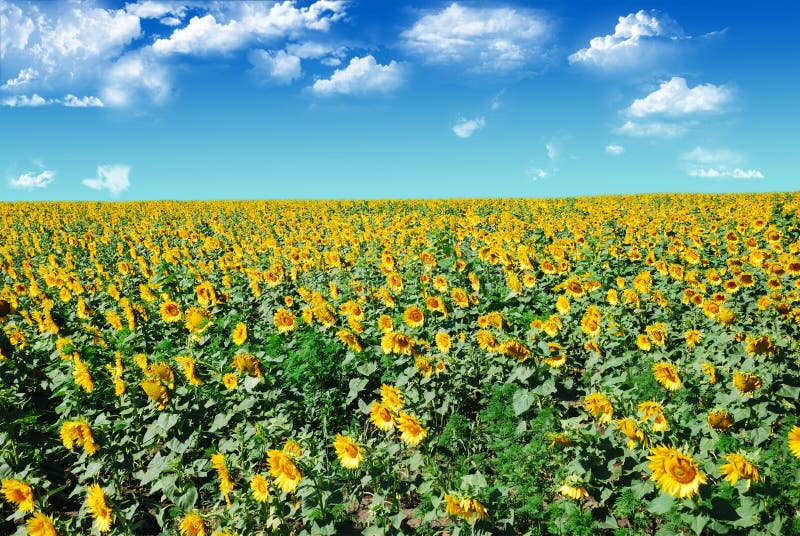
[(206, 296), (381, 417), (82, 375), (653, 410), (260, 488), (78, 433), (283, 470), (719, 420), (486, 340), (556, 361), (192, 525), (18, 493), (225, 482), (247, 363), (443, 342), (285, 321), (435, 303), (424, 366), (514, 349), (643, 342), (739, 467), (40, 525), (562, 440), (675, 472), (170, 312), (657, 333), (573, 492), (197, 319), (189, 365), (746, 383), (239, 334), (412, 432), (465, 507), (98, 508), (667, 375), (562, 305), (157, 393), (599, 407), (391, 397), (349, 339), (385, 323), (230, 381), (794, 441), (414, 317), (348, 451), (634, 434), (709, 370)]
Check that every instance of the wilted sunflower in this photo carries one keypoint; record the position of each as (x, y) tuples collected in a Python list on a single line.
[(78, 433), (157, 393), (573, 491), (189, 365), (19, 494), (192, 525), (653, 410), (465, 507), (739, 467), (719, 420), (599, 407), (350, 340), (675, 472), (247, 363), (82, 375), (424, 366), (283, 470), (260, 488), (514, 349), (412, 432), (225, 482), (40, 525), (667, 375), (634, 434), (98, 508), (381, 417), (348, 451)]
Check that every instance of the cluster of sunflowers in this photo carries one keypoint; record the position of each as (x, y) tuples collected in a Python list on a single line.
[(410, 357)]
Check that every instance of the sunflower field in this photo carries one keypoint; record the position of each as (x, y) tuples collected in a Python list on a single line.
[(606, 365)]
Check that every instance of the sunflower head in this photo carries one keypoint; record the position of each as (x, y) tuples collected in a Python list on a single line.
[(676, 473)]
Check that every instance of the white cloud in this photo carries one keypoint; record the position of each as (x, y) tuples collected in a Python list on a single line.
[(675, 98), (114, 178), (133, 77), (538, 174), (717, 164), (24, 77), (170, 21), (464, 128), (31, 180), (361, 76), (149, 9), (615, 150), (87, 101), (723, 173), (496, 102), (23, 100), (16, 28), (552, 151), (650, 130), (278, 67), (638, 38), (207, 35), (485, 38)]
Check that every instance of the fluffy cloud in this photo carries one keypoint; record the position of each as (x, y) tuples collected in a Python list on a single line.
[(24, 77), (134, 77), (615, 150), (87, 101), (650, 130), (638, 38), (486, 38), (464, 128), (24, 100), (114, 178), (206, 34), (31, 180), (278, 67), (149, 9), (361, 76), (675, 98), (717, 164), (16, 28)]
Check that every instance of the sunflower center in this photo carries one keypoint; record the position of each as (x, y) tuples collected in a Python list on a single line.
[(681, 471)]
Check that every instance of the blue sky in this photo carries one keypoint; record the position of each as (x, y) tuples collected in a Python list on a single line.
[(374, 99)]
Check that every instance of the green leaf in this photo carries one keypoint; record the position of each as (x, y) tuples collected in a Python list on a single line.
[(523, 400), (661, 504), (186, 501), (356, 386)]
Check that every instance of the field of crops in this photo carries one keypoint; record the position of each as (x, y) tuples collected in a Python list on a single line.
[(620, 365)]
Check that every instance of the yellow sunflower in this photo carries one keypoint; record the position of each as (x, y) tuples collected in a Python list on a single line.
[(391, 397), (573, 492), (260, 488), (192, 525), (675, 472), (412, 432), (197, 319), (284, 321), (599, 407), (348, 451), (667, 375), (18, 493), (283, 470), (719, 420), (239, 334), (746, 383), (40, 525), (739, 467), (414, 317), (794, 441), (98, 508), (170, 312), (381, 417)]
